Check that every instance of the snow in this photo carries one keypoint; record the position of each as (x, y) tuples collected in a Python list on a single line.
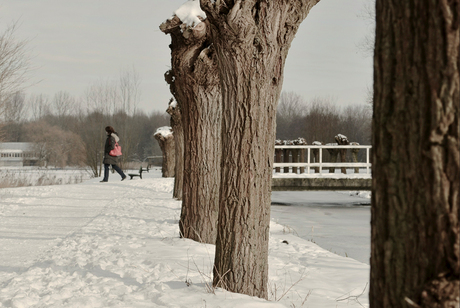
[(173, 103), (165, 131), (117, 244), (324, 174), (31, 176), (190, 12)]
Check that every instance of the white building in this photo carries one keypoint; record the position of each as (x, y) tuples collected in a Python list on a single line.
[(17, 154)]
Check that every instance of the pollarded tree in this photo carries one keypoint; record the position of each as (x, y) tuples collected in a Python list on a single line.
[(194, 82), (176, 124), (252, 39), (164, 136), (415, 252)]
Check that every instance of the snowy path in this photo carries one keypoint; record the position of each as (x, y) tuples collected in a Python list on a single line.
[(34, 218), (116, 245)]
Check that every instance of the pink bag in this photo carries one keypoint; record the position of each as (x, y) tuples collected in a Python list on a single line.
[(116, 150)]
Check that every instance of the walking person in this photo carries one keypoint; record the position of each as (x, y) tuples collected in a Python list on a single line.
[(112, 139)]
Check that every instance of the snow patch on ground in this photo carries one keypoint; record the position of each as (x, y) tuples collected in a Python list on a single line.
[(117, 244)]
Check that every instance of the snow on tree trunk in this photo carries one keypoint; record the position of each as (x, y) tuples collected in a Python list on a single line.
[(315, 153), (176, 124), (415, 251), (300, 153), (278, 155), (252, 39), (342, 140), (195, 85), (354, 155), (165, 138)]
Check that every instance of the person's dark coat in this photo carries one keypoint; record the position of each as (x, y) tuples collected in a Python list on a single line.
[(109, 146)]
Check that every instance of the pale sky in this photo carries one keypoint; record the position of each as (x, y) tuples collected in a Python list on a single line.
[(76, 43)]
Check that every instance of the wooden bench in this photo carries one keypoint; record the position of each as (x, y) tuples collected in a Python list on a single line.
[(131, 175)]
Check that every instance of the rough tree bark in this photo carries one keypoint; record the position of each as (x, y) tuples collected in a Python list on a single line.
[(176, 124), (252, 39), (342, 140), (301, 153), (415, 259), (287, 155), (333, 154), (315, 153), (196, 88), (354, 155), (278, 155), (165, 139)]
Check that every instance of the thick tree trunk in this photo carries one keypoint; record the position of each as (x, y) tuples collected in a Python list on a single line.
[(300, 153), (278, 155), (196, 88), (252, 39), (315, 153), (176, 124), (333, 153), (354, 155), (342, 140), (165, 139), (415, 196)]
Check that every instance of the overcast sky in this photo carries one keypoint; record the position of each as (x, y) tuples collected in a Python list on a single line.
[(76, 43)]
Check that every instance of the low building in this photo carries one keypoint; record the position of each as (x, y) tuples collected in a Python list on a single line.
[(17, 154)]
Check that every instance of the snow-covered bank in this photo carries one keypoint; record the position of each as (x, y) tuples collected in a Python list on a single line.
[(116, 244), (39, 176)]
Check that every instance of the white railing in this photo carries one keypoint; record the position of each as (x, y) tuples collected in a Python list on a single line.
[(320, 164)]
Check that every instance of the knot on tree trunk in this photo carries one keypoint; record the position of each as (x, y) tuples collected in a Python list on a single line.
[(441, 293)]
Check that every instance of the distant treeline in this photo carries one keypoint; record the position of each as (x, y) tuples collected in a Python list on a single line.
[(321, 120)]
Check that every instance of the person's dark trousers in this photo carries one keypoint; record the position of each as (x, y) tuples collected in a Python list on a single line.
[(116, 168)]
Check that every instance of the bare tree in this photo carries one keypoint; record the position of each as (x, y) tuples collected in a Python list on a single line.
[(64, 104), (99, 100), (290, 105), (165, 138), (101, 97), (368, 15), (55, 146), (415, 251), (128, 99), (129, 87), (252, 39), (91, 130), (322, 121), (63, 107), (291, 109), (176, 124), (14, 63), (356, 123), (14, 115), (194, 82), (14, 67), (39, 106), (112, 102), (15, 108)]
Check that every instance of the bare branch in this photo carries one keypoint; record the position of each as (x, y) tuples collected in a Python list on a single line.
[(14, 63)]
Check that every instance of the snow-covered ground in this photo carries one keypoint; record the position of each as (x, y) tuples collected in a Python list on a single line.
[(116, 244), (38, 176)]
